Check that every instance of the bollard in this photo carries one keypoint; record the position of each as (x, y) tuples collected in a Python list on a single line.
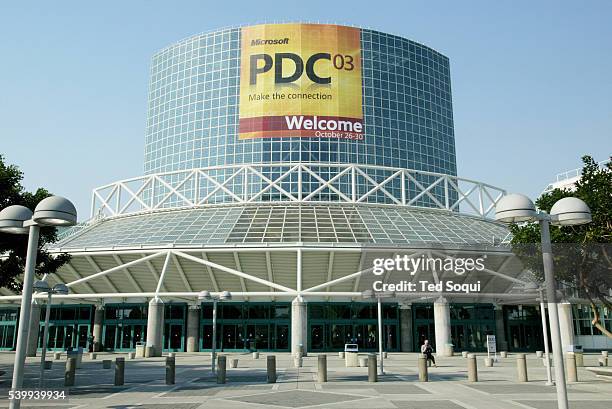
[(504, 354), (234, 363), (171, 354), (363, 361), (170, 370), (48, 364), (488, 362), (106, 364), (131, 355), (579, 359), (70, 372), (472, 367), (271, 368), (221, 368), (464, 354), (422, 364), (119, 371), (322, 372), (521, 368), (297, 361), (148, 352), (255, 355), (385, 355), (539, 354), (93, 355), (57, 356), (572, 370), (341, 355), (372, 373)]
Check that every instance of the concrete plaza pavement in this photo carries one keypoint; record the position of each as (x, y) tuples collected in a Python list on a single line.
[(347, 388)]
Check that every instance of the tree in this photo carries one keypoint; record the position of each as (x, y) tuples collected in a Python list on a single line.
[(582, 254), (13, 247)]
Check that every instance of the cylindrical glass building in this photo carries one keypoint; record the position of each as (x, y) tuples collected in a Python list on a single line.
[(194, 104)]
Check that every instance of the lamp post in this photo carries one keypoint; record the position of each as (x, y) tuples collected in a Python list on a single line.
[(549, 381), (207, 296), (369, 295), (43, 287), (569, 211), (52, 211)]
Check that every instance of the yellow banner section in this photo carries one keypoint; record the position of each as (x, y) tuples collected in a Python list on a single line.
[(301, 80)]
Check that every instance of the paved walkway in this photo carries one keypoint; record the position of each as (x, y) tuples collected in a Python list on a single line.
[(347, 388)]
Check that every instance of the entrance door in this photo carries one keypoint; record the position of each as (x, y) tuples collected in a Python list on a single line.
[(423, 332), (110, 331), (258, 336), (83, 333), (173, 337), (230, 338), (282, 337), (317, 337)]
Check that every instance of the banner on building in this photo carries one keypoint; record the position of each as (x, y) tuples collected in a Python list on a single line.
[(301, 80)]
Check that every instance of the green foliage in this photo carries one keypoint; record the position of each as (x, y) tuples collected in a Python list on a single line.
[(582, 254), (13, 247)]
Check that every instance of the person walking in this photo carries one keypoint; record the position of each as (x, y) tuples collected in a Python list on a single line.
[(427, 350)]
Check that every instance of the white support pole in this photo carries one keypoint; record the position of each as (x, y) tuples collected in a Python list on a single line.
[(163, 273), (549, 381), (299, 271), (380, 336)]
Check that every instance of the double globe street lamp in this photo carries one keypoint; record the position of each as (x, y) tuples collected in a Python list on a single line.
[(569, 211), (53, 211), (207, 296), (42, 286)]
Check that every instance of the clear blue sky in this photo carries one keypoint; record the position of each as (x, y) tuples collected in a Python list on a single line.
[(532, 81)]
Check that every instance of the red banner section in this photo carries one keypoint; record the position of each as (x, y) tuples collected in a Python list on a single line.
[(302, 126)]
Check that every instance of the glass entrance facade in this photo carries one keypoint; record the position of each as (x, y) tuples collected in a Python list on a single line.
[(523, 328), (247, 326), (470, 325), (69, 327), (331, 325), (174, 327), (124, 326), (8, 328)]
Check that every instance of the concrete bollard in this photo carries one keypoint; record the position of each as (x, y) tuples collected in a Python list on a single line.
[(131, 355), (488, 362), (70, 372), (271, 368), (93, 356), (372, 373), (363, 361), (255, 355), (422, 365), (539, 354), (385, 355), (572, 370), (171, 354), (579, 359), (148, 352), (464, 354), (322, 368), (297, 361), (48, 364), (234, 363), (221, 368), (170, 370), (119, 371), (504, 354), (106, 364), (521, 368), (341, 355), (472, 367), (57, 356)]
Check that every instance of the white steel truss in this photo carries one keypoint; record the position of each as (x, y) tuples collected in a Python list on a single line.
[(181, 266), (294, 182)]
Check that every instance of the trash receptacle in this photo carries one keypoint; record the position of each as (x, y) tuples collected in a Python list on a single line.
[(140, 349), (449, 349), (351, 355)]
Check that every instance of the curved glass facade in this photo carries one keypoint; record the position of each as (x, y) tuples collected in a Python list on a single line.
[(193, 109)]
